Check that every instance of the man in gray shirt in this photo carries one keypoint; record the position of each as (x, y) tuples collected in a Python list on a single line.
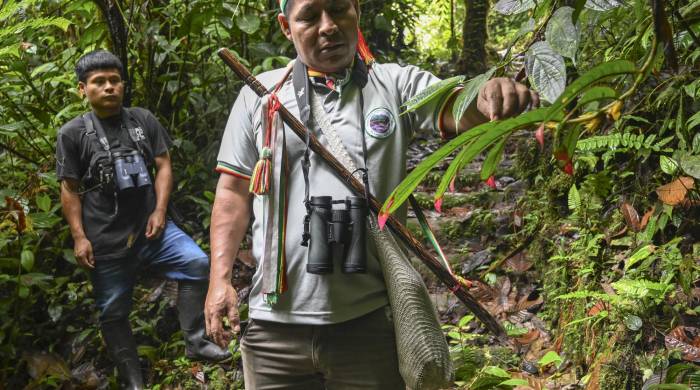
[(323, 330)]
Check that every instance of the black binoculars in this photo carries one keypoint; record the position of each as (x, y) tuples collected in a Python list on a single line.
[(337, 234), (130, 170)]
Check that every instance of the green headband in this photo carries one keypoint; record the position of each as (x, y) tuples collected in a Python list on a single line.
[(283, 5)]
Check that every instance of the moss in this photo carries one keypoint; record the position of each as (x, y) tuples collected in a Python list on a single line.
[(620, 371), (425, 200)]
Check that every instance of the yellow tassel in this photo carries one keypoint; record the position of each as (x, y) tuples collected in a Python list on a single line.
[(260, 180)]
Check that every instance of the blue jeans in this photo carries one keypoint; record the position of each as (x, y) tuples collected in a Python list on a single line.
[(174, 256)]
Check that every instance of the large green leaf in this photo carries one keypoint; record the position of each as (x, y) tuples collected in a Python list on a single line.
[(478, 138), (248, 23), (668, 165), (562, 34), (549, 358), (510, 7), (11, 7), (596, 94), (457, 164), (43, 201), (10, 50), (595, 75), (546, 70), (496, 371), (35, 24), (469, 93), (27, 260), (492, 159), (690, 165), (432, 92), (693, 121)]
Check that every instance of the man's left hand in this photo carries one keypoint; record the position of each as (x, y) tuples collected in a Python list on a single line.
[(156, 225), (503, 98)]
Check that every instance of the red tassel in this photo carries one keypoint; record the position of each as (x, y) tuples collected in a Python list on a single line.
[(363, 49)]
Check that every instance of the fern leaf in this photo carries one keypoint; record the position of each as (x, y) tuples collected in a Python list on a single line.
[(574, 199)]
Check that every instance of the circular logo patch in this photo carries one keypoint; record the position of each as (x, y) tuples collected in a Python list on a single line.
[(380, 123)]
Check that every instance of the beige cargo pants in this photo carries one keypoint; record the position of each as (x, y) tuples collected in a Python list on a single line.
[(357, 354)]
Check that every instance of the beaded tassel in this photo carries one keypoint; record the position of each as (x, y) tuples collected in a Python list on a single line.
[(260, 180)]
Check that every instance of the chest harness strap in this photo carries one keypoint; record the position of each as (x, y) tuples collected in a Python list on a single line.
[(94, 129)]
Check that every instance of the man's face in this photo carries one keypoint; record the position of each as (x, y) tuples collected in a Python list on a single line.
[(324, 32), (104, 89)]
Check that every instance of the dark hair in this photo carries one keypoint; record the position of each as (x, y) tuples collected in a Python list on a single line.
[(97, 60)]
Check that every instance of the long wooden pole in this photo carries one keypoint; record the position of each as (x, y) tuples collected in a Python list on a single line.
[(397, 227)]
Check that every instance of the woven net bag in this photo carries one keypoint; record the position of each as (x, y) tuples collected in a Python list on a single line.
[(424, 358)]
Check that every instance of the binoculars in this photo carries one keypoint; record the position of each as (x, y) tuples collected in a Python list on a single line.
[(130, 170), (337, 234)]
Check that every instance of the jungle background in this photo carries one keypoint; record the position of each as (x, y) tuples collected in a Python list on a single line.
[(580, 233)]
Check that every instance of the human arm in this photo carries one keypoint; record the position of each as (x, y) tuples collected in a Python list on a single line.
[(229, 222), (163, 187), (72, 211), (499, 98)]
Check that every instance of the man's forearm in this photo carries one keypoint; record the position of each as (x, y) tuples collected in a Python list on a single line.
[(72, 210), (471, 118), (229, 222), (163, 186)]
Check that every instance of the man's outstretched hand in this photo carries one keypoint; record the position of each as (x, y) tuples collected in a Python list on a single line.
[(222, 301), (503, 98)]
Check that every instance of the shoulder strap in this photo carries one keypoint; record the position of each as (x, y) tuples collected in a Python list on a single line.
[(128, 116), (95, 128)]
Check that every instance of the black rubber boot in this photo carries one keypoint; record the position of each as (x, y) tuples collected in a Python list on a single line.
[(190, 306), (122, 348)]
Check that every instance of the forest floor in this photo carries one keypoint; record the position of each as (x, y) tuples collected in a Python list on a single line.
[(474, 227)]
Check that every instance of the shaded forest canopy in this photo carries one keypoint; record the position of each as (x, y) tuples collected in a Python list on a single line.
[(578, 225)]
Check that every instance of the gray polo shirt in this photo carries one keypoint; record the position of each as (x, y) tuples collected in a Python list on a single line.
[(337, 297)]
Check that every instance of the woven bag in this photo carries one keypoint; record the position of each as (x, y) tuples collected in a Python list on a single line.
[(424, 358)]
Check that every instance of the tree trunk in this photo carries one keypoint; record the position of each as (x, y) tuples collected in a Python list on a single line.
[(472, 61), (111, 11)]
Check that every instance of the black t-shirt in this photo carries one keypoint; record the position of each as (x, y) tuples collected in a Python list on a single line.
[(112, 225)]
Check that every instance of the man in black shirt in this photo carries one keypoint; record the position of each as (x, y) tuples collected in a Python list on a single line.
[(117, 210)]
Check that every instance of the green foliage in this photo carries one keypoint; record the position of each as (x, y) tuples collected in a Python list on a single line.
[(481, 137), (622, 106), (623, 141), (470, 92)]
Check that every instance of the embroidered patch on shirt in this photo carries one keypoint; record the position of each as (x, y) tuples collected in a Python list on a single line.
[(380, 123)]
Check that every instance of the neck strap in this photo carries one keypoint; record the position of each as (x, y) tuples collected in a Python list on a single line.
[(94, 126), (304, 89)]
